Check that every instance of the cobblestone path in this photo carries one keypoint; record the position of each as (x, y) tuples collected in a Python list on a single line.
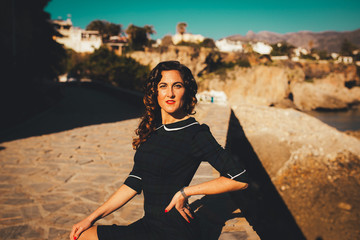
[(50, 182)]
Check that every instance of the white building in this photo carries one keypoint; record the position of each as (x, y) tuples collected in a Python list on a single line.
[(225, 45), (345, 59), (187, 37), (261, 48), (75, 38), (300, 51)]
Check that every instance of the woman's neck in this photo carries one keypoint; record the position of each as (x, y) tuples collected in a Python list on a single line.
[(172, 118)]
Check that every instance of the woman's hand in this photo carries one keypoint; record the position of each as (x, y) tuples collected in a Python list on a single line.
[(80, 227), (181, 205)]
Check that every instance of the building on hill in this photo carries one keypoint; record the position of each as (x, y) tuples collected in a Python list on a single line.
[(261, 48), (182, 36), (345, 60), (117, 43), (226, 45), (76, 38), (300, 51), (187, 37)]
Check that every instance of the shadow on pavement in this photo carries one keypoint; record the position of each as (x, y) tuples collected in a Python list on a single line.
[(213, 212), (83, 104), (260, 203)]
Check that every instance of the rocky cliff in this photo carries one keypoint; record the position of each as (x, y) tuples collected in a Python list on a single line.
[(306, 85), (302, 86), (314, 167)]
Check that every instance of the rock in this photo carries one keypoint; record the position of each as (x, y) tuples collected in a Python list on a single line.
[(323, 95), (355, 134), (261, 85), (314, 167), (285, 86), (330, 72)]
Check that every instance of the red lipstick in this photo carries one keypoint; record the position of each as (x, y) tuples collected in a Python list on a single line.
[(170, 101)]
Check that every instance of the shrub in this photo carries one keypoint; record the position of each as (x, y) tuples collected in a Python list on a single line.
[(104, 65), (208, 43), (281, 49)]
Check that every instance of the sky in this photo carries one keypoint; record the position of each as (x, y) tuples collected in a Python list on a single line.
[(214, 19)]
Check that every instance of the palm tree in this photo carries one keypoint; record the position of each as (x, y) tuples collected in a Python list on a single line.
[(181, 28), (139, 36), (149, 29)]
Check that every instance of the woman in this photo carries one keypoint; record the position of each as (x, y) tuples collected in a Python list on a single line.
[(170, 146)]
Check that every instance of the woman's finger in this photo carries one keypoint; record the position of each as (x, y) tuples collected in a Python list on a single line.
[(77, 233), (187, 211), (71, 236), (183, 214), (170, 206)]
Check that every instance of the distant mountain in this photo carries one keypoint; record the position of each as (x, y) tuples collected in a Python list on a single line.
[(329, 40)]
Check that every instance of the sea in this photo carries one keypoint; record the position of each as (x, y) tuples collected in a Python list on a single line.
[(341, 120)]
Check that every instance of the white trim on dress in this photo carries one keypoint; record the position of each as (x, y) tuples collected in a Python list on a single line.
[(232, 177), (135, 176), (176, 129)]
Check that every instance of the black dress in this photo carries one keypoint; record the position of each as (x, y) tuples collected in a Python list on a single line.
[(164, 164)]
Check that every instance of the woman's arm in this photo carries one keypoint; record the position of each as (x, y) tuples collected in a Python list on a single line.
[(117, 200), (216, 186)]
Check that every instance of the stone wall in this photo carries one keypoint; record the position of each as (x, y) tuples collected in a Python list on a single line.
[(193, 58)]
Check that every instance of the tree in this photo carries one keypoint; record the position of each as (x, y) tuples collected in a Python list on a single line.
[(323, 55), (347, 48), (104, 65), (76, 63), (213, 61), (149, 29), (31, 60), (106, 29), (282, 49), (208, 43), (139, 36), (181, 28), (32, 53)]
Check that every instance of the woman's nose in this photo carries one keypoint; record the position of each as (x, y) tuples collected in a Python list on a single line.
[(170, 92)]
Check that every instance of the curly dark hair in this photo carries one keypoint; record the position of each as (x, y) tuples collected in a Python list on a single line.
[(152, 113)]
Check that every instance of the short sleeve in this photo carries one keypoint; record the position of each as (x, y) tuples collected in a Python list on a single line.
[(134, 180), (206, 148)]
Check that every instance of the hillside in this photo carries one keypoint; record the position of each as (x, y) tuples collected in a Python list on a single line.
[(328, 40)]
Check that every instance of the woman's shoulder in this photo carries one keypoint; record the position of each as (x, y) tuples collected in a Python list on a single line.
[(200, 129)]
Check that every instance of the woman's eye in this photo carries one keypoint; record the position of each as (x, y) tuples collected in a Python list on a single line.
[(162, 86), (178, 86)]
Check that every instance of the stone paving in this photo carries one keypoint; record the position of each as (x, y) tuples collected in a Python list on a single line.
[(50, 182)]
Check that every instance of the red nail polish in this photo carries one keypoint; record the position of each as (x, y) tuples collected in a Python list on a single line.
[(188, 221), (74, 238), (166, 210)]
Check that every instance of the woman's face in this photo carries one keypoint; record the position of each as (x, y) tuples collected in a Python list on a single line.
[(171, 91)]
